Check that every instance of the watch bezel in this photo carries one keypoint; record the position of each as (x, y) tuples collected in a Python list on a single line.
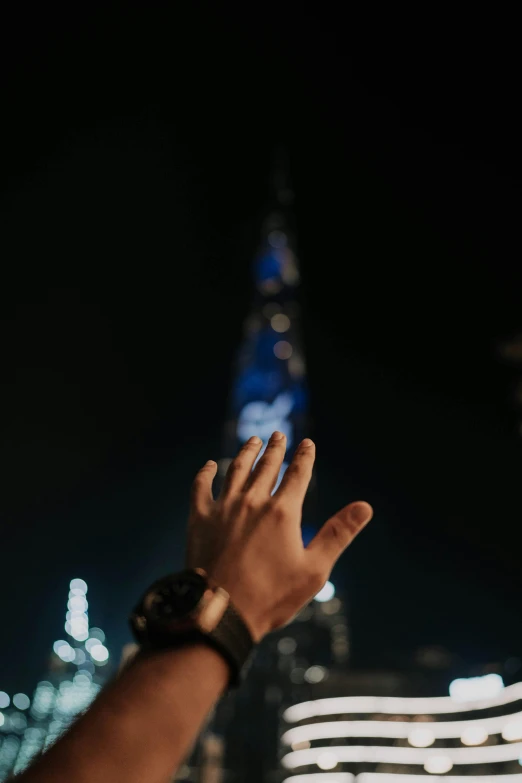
[(145, 621), (193, 576)]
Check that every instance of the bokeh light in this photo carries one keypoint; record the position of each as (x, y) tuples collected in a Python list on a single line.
[(21, 701), (325, 593)]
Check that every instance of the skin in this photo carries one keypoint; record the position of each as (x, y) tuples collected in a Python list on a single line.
[(144, 724)]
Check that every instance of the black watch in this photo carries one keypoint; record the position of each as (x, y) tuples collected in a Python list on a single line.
[(189, 607)]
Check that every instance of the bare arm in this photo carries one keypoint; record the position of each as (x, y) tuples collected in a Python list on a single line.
[(249, 541), (142, 727)]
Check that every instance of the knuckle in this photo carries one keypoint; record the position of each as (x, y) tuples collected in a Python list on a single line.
[(278, 509), (249, 500)]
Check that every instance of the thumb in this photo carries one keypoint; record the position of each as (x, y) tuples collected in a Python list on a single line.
[(338, 532)]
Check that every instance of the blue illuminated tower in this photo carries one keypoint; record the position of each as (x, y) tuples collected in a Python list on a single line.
[(270, 392), (269, 389)]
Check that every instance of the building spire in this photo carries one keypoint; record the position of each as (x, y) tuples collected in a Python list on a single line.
[(281, 186)]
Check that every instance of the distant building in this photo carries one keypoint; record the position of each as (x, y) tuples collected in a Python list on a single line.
[(474, 733), (78, 668)]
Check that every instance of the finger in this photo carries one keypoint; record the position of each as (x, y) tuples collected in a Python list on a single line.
[(241, 466), (266, 472), (337, 533), (298, 474), (201, 495)]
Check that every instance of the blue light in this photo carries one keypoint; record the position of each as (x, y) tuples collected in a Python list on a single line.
[(268, 266)]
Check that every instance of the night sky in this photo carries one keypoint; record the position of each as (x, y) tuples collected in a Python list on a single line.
[(136, 151)]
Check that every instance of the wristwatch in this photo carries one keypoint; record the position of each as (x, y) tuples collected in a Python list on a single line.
[(189, 607)]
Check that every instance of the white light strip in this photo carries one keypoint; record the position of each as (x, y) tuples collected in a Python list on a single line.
[(381, 754), (395, 729), (387, 777), (393, 705), (329, 777)]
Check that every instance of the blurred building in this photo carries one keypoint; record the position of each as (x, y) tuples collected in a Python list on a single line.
[(474, 733), (78, 667)]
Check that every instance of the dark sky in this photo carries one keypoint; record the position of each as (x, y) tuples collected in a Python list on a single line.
[(136, 149)]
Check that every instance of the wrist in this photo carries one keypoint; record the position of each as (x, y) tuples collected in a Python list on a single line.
[(256, 625)]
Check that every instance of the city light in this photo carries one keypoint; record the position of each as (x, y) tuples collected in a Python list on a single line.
[(280, 322), (97, 633), (2, 719), (286, 645), (99, 653), (382, 754), (475, 688), (326, 777), (511, 725), (391, 777), (78, 584), (64, 651), (438, 765), (4, 699), (474, 735), (78, 603), (421, 737), (21, 701), (396, 705), (325, 593), (327, 760), (283, 349), (513, 730), (315, 674)]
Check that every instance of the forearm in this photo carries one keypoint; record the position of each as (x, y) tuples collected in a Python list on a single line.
[(143, 725)]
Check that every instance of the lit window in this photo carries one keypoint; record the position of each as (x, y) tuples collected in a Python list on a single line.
[(474, 735), (438, 765), (421, 737), (327, 760)]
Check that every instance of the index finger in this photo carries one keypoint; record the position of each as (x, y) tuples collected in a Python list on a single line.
[(298, 474)]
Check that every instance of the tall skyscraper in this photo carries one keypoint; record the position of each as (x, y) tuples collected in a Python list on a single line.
[(269, 388), (270, 392), (78, 667)]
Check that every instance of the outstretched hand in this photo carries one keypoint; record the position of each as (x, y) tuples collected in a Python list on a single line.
[(249, 541)]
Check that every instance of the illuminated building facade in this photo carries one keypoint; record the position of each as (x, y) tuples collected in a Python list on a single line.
[(77, 671), (475, 733)]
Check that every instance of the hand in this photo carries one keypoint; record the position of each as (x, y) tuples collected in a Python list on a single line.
[(250, 541)]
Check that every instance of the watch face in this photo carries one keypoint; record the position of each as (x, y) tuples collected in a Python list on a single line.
[(175, 597)]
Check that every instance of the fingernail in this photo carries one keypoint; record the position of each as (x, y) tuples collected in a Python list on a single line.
[(255, 439), (277, 436), (307, 442), (210, 462)]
